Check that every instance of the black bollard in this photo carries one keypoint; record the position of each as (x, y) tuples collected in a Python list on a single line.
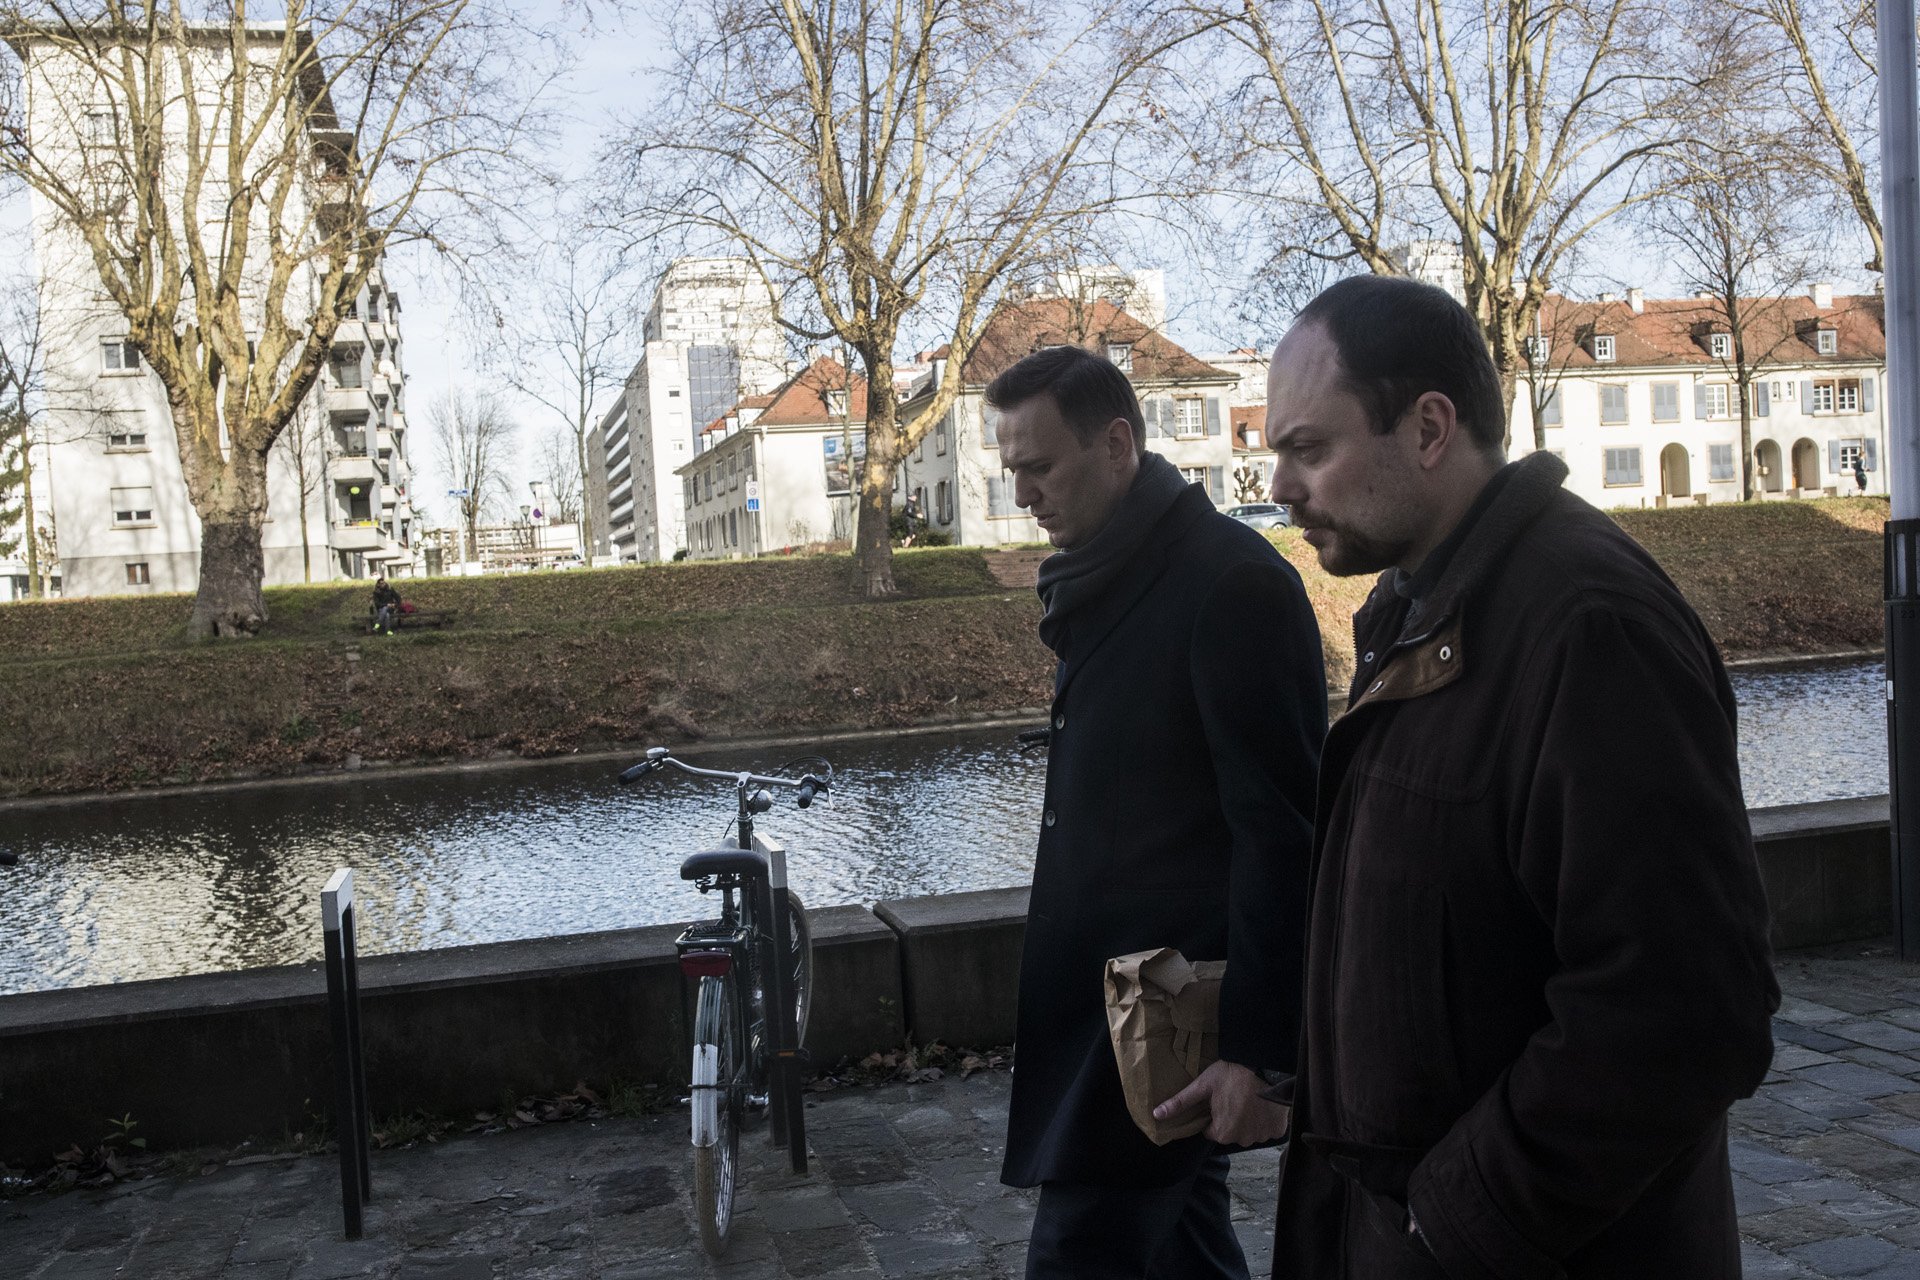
[(349, 1071)]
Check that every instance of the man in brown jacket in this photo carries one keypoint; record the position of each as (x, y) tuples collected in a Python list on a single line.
[(1537, 963)]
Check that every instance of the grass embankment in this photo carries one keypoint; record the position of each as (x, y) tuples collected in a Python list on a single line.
[(109, 693)]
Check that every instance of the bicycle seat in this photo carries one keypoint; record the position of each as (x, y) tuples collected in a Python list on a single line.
[(723, 861)]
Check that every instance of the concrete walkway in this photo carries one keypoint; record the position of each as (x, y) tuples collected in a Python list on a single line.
[(905, 1182)]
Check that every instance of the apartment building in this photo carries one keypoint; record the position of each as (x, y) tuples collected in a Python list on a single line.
[(1639, 397), (338, 480), (956, 471), (710, 338), (778, 471)]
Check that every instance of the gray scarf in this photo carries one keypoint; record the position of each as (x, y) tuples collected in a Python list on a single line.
[(1069, 580)]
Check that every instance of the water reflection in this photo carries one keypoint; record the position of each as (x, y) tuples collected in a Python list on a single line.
[(159, 886)]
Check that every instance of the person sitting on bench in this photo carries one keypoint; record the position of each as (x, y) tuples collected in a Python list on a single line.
[(386, 606)]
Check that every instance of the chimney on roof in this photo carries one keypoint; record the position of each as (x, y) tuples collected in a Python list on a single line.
[(1822, 295), (1637, 299), (1609, 297)]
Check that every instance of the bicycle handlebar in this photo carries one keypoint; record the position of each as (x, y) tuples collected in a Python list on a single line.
[(808, 785)]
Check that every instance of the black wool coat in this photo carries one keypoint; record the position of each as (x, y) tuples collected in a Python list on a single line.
[(1538, 969), (1187, 721)]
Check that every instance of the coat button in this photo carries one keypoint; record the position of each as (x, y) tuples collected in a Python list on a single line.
[(1367, 657), (1060, 721), (1049, 817), (1446, 653)]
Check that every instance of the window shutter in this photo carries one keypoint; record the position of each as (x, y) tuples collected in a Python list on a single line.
[(1217, 483), (1833, 456), (1150, 409), (1700, 401), (1866, 394), (1760, 399), (1550, 412), (1873, 460), (1806, 396), (1213, 418)]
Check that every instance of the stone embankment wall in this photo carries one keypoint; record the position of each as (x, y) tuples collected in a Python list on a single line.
[(218, 1058)]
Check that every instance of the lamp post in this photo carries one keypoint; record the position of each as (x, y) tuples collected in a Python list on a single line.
[(1900, 209)]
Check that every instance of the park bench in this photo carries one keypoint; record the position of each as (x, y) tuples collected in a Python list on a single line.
[(418, 618)]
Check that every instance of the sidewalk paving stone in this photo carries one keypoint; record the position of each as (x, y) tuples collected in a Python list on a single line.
[(904, 1182)]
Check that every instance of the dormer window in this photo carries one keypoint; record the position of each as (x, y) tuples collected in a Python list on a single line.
[(1826, 342), (1538, 349), (836, 402), (1121, 353), (1720, 346), (1603, 346)]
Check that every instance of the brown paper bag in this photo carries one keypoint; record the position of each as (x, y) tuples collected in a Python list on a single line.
[(1163, 1012)]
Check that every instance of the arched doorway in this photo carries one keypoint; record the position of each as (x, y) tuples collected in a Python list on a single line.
[(1676, 472), (1806, 464), (1769, 476)]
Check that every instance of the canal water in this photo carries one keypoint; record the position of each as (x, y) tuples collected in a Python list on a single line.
[(158, 886)]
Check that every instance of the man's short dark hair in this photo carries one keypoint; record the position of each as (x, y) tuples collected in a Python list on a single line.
[(1089, 390), (1399, 339)]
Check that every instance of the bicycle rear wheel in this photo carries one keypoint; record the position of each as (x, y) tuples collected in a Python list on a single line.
[(799, 970), (716, 1110)]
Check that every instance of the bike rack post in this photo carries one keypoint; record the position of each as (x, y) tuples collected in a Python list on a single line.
[(788, 1125), (349, 1070)]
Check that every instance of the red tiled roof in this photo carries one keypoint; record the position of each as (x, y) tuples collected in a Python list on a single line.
[(745, 402), (801, 401), (1249, 425), (1018, 329), (1675, 331)]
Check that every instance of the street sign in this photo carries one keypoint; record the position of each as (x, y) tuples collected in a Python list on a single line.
[(753, 490), (458, 493), (753, 504)]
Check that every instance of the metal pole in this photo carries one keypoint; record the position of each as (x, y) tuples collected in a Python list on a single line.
[(1900, 212), (350, 1084)]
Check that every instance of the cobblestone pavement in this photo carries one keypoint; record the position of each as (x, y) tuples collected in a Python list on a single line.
[(905, 1182)]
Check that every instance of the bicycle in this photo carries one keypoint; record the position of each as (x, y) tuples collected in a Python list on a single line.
[(753, 970)]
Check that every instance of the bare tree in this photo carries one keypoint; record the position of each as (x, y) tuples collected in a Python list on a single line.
[(1831, 76), (302, 448), (23, 356), (560, 459), (1509, 130), (877, 159), (572, 344), (474, 439), (232, 183)]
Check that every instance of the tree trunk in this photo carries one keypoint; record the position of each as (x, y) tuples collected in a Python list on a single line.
[(306, 541), (1746, 440), (34, 588), (873, 534), (229, 603), (586, 502)]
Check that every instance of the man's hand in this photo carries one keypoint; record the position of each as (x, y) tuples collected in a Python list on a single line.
[(1231, 1094)]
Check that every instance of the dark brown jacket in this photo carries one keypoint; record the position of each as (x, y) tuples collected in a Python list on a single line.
[(1537, 968)]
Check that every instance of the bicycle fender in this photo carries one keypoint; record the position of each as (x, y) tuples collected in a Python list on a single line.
[(706, 1094)]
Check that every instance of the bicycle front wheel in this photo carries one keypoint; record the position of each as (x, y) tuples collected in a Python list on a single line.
[(716, 1111), (799, 968)]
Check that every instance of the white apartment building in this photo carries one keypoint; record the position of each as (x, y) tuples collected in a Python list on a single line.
[(956, 471), (779, 471), (710, 339), (338, 480), (1642, 404)]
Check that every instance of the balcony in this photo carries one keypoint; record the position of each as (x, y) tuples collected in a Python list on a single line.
[(388, 549), (354, 468), (356, 535), (351, 333), (349, 402)]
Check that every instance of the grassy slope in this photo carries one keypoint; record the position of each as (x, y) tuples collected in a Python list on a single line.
[(108, 692)]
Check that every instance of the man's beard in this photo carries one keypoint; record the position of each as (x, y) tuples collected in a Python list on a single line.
[(1349, 552)]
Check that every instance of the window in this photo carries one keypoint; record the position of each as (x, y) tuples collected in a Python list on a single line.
[(1666, 402), (1000, 495), (1846, 397), (1213, 479), (940, 438), (1538, 349), (1838, 395), (1623, 467), (97, 129), (733, 528), (990, 426), (1613, 403), (1603, 346), (1719, 462), (119, 355), (1720, 346), (1717, 399), (133, 506), (126, 440), (1851, 451), (346, 373), (1826, 342), (1550, 411), (1121, 353), (836, 402), (138, 574), (1189, 416), (943, 502)]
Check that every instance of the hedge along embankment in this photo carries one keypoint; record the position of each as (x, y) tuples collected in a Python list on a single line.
[(108, 693)]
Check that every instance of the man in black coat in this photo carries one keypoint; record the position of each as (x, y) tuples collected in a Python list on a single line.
[(1189, 706), (1537, 961)]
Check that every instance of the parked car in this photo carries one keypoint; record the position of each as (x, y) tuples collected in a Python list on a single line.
[(1262, 515)]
